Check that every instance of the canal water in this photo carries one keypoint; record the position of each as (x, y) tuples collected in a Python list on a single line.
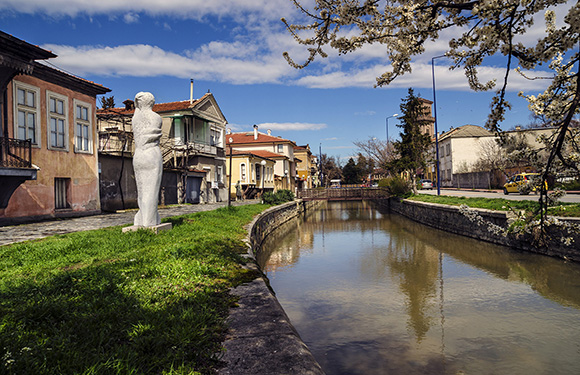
[(375, 293)]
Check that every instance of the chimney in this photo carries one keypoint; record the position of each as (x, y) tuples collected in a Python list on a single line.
[(255, 132), (269, 132), (518, 128), (191, 92)]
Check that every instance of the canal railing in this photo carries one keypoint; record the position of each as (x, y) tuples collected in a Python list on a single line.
[(343, 194)]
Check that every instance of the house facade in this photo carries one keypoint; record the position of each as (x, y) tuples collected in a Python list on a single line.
[(285, 167), (192, 144), (53, 114), (306, 167), (252, 171)]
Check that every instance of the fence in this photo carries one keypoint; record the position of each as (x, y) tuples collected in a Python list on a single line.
[(343, 194)]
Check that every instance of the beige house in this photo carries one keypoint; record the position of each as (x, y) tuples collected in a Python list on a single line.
[(194, 159), (460, 149), (252, 172), (306, 167), (48, 157), (285, 167)]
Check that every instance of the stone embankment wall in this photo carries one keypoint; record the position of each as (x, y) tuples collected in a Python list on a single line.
[(273, 217), (450, 219)]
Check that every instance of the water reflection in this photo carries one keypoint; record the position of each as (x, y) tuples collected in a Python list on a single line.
[(372, 293)]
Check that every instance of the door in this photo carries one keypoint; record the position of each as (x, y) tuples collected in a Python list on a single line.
[(193, 189)]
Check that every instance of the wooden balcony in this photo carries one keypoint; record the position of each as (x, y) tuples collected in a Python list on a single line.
[(15, 166), (15, 153)]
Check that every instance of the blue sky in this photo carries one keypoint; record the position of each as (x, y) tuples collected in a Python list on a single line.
[(234, 49)]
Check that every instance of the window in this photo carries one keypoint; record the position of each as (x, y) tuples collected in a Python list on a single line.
[(57, 121), (26, 112), (215, 138), (447, 149), (83, 127), (258, 174), (243, 172), (280, 149), (219, 174), (60, 193)]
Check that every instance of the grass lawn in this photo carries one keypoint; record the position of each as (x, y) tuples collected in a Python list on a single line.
[(499, 204), (106, 302)]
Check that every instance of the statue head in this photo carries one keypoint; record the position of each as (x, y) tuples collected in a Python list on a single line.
[(144, 100)]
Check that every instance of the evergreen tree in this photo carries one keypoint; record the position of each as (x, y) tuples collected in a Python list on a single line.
[(414, 144), (351, 173)]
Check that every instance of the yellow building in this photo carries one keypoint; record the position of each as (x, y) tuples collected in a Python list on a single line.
[(280, 149), (306, 167), (252, 172)]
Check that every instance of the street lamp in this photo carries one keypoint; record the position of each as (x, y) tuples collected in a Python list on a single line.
[(230, 176), (387, 124), (435, 115), (263, 163)]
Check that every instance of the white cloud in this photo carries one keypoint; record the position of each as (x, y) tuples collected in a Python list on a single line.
[(330, 139), (131, 17), (194, 9), (291, 126)]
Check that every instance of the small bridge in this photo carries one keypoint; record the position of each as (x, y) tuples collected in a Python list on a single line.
[(343, 194)]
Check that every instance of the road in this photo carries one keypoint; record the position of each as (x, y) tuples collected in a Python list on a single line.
[(568, 198)]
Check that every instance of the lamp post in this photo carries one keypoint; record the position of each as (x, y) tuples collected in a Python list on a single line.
[(387, 124), (436, 132), (263, 163), (230, 176)]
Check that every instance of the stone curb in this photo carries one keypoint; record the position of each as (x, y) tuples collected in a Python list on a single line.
[(261, 338)]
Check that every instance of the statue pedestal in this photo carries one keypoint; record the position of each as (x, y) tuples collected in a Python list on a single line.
[(155, 229)]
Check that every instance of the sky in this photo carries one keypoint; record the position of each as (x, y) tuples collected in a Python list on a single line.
[(233, 48)]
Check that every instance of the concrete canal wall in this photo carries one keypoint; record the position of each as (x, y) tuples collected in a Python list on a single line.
[(261, 338), (450, 219)]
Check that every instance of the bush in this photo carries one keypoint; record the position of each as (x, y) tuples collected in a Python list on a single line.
[(278, 197), (396, 186)]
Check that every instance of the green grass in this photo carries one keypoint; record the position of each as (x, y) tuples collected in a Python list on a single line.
[(106, 302), (499, 204)]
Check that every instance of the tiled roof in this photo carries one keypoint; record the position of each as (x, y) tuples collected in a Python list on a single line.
[(259, 153), (244, 138), (466, 131), (158, 107)]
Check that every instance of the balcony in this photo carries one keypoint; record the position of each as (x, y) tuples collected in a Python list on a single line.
[(15, 153), (15, 166)]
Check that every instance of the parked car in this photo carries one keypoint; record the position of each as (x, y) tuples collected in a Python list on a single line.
[(426, 184), (512, 186)]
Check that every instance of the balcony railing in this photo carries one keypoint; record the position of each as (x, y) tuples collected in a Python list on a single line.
[(15, 153)]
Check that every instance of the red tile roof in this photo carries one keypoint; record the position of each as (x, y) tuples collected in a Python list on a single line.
[(259, 153), (245, 138), (158, 107)]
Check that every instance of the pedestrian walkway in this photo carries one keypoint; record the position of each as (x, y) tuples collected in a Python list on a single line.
[(25, 232)]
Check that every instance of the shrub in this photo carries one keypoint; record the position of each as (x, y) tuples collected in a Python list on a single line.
[(396, 186), (278, 197)]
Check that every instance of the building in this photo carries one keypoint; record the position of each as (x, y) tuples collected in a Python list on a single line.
[(252, 171), (192, 145), (306, 168), (460, 149), (285, 167), (48, 149)]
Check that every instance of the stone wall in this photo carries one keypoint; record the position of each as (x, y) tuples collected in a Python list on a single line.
[(273, 217), (449, 218)]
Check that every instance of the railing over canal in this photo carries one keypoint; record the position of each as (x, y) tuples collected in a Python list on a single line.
[(343, 194)]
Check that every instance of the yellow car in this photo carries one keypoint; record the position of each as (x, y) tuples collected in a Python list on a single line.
[(520, 179)]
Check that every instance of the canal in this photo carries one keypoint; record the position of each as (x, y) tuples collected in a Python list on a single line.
[(375, 293)]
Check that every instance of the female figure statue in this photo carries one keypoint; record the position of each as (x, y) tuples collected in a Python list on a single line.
[(147, 160)]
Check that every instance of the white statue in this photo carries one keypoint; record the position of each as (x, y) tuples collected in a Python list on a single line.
[(147, 160)]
